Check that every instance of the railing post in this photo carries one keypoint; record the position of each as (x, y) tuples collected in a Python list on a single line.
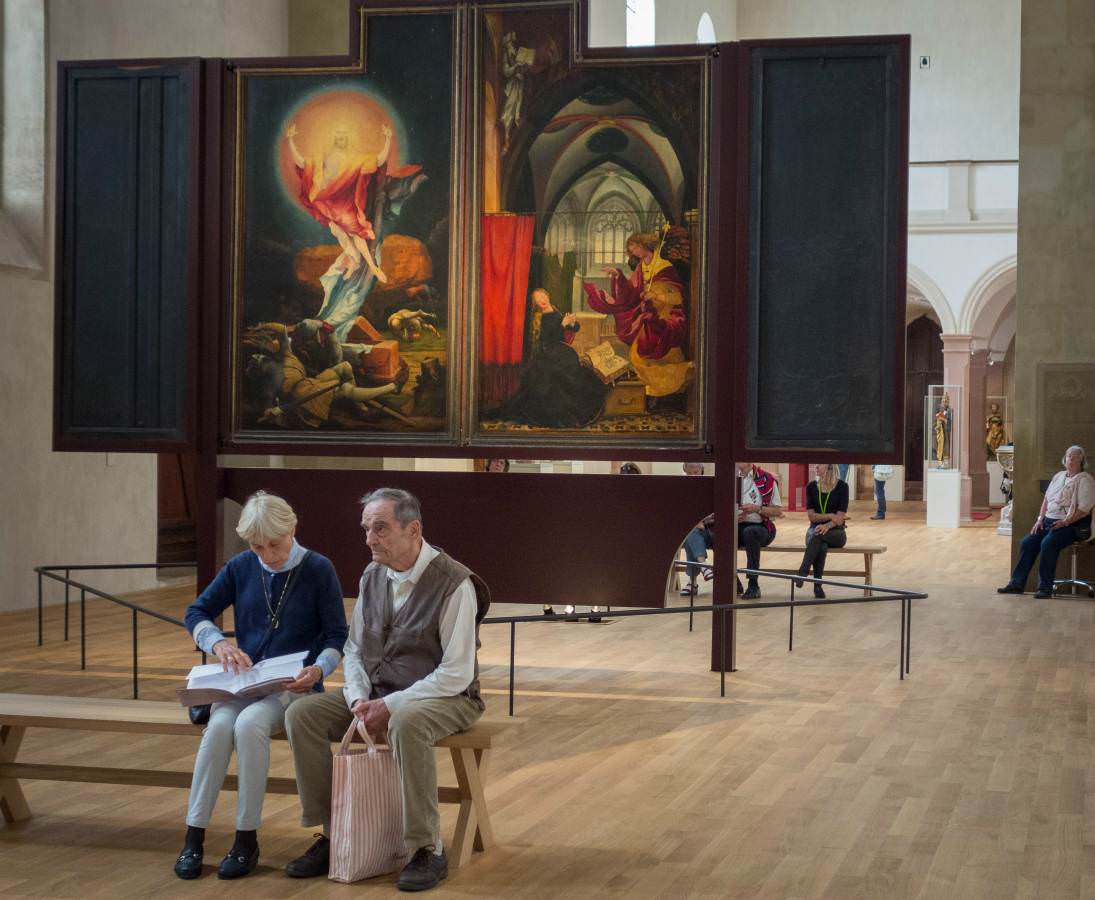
[(67, 571), (791, 622), (901, 649), (908, 637), (722, 652), (83, 630), (39, 609), (512, 646), (134, 654)]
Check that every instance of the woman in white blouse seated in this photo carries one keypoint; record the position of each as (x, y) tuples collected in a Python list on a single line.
[(1065, 517)]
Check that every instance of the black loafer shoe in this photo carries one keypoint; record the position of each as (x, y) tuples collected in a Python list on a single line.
[(1042, 595), (189, 864), (819, 592), (238, 862), (425, 870), (751, 593), (741, 590), (315, 861), (1009, 588)]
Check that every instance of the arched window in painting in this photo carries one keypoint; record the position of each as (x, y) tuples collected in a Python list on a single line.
[(609, 226)]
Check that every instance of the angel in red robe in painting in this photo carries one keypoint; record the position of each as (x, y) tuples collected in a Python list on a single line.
[(339, 191), (648, 308)]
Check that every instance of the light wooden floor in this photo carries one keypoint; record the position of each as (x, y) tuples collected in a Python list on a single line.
[(820, 775)]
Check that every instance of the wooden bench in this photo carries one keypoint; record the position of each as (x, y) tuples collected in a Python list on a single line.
[(869, 551), (470, 751)]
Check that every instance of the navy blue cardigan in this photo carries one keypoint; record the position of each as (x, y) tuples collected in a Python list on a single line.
[(313, 617)]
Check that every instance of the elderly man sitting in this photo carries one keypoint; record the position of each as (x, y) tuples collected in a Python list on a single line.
[(411, 671)]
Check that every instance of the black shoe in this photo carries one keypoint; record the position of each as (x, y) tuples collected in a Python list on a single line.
[(1041, 594), (751, 593), (548, 611), (425, 870), (1009, 588), (877, 518), (819, 592), (189, 863), (315, 861), (238, 862), (741, 590), (798, 581)]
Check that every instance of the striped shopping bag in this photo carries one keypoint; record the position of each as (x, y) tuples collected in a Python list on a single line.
[(366, 810)]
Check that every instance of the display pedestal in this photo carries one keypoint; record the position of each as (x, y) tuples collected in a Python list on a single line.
[(996, 475), (943, 494)]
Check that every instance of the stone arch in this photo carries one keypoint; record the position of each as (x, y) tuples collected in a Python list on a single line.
[(987, 301), (705, 30), (926, 287)]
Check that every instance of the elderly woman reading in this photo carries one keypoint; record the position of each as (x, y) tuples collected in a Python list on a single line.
[(1065, 517), (285, 599)]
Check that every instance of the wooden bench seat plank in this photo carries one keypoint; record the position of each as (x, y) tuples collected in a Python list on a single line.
[(469, 750)]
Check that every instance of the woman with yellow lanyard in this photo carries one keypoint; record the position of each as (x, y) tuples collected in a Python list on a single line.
[(827, 509)]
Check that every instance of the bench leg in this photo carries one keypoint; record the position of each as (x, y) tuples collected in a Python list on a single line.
[(13, 804), (473, 828), (867, 557)]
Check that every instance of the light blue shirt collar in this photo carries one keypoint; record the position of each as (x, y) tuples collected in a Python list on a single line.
[(296, 554)]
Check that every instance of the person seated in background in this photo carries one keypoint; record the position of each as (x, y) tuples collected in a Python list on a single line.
[(497, 465), (698, 541), (827, 510), (1064, 519), (630, 468), (284, 599), (760, 504)]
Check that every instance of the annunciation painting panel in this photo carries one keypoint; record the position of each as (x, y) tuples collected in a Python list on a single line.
[(342, 295), (590, 325)]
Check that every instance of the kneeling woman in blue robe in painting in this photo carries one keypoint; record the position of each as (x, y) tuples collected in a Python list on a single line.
[(556, 390), (284, 599)]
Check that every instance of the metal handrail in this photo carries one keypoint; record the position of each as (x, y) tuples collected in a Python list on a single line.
[(879, 594)]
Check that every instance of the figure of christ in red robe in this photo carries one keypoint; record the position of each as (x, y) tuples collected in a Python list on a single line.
[(340, 192), (648, 309)]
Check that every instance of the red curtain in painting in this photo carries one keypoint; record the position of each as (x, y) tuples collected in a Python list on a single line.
[(507, 253)]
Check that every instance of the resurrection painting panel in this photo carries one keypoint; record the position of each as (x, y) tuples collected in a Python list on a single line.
[(341, 300), (589, 319)]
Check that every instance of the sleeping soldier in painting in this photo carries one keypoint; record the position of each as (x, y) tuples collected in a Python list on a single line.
[(556, 390), (282, 390)]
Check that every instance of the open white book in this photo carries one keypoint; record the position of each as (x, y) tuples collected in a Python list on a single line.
[(211, 684)]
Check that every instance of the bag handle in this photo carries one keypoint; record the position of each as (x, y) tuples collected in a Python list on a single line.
[(357, 726)]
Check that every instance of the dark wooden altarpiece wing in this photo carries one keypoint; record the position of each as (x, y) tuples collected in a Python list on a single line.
[(416, 208)]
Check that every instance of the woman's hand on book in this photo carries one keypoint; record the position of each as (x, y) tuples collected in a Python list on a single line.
[(304, 682), (232, 658)]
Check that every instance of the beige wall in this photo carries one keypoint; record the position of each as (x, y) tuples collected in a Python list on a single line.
[(963, 106), (91, 507), (1054, 405)]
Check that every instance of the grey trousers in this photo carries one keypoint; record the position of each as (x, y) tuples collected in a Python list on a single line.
[(246, 726), (318, 719)]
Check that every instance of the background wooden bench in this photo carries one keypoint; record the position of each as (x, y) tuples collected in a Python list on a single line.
[(470, 751), (869, 551)]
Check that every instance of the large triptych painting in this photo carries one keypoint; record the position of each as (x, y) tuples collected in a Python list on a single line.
[(343, 298), (590, 324)]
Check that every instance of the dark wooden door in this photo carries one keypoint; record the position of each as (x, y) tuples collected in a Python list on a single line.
[(176, 507), (923, 366)]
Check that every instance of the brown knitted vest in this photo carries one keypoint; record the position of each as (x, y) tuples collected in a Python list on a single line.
[(398, 649)]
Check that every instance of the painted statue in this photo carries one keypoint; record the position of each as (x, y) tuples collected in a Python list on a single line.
[(942, 430), (994, 430)]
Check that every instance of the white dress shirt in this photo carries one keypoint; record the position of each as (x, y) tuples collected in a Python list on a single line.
[(457, 632)]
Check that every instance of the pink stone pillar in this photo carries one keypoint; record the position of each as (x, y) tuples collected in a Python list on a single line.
[(965, 367)]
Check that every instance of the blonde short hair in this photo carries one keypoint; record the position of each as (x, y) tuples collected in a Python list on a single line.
[(265, 516)]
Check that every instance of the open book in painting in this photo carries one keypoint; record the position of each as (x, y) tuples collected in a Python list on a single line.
[(211, 684), (607, 363)]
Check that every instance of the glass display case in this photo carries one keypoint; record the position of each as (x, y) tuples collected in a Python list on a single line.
[(943, 426), (996, 424)]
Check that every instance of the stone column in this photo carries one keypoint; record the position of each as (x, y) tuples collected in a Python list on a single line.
[(1054, 367), (965, 367)]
